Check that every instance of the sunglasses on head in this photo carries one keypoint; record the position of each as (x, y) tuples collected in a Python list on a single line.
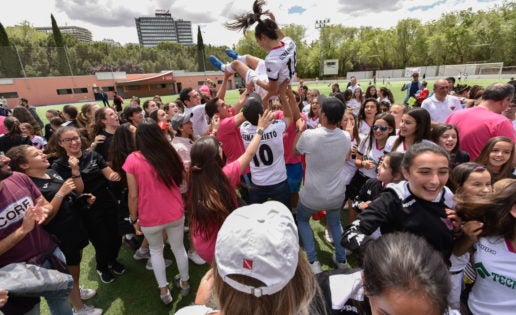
[(382, 128)]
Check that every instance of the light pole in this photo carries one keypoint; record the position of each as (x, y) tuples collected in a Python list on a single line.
[(320, 25)]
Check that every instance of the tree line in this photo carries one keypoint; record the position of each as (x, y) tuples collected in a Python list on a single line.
[(458, 37)]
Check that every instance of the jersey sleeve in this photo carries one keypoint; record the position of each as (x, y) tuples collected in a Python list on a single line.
[(357, 234)]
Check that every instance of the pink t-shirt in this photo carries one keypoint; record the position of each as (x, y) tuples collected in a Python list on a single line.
[(3, 130), (157, 203), (477, 125), (229, 136), (206, 247), (288, 144)]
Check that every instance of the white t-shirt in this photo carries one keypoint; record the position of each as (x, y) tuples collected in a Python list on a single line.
[(281, 61), (439, 111), (354, 105), (375, 154), (268, 164), (494, 291), (325, 179), (199, 120), (364, 128)]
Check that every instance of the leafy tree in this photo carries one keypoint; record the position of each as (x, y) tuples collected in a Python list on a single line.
[(9, 64), (62, 58), (201, 60)]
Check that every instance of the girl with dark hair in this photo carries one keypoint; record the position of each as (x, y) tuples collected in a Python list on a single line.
[(447, 136), (349, 124), (154, 174), (419, 204), (471, 179), (372, 149), (161, 118), (490, 230), (66, 223), (371, 92), (14, 136), (279, 64), (171, 108), (51, 114), (498, 156), (366, 115), (385, 95), (212, 184), (102, 131), (133, 114), (468, 180), (410, 278), (70, 114), (389, 171), (414, 128), (312, 120), (356, 100), (100, 220), (87, 115), (24, 115)]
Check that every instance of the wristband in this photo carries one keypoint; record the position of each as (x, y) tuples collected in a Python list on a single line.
[(76, 176), (58, 196)]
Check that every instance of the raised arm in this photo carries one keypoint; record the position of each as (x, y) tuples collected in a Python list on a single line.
[(221, 93)]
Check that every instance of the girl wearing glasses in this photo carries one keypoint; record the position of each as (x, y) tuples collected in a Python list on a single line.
[(101, 220), (371, 149)]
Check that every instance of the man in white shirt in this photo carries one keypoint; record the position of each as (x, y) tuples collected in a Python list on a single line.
[(441, 104), (192, 100)]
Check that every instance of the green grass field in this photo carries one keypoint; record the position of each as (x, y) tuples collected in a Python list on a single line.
[(136, 291)]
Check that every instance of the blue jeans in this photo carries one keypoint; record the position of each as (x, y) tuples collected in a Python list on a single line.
[(307, 237), (57, 303), (278, 192)]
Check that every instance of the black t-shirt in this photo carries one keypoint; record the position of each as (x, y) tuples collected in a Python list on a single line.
[(91, 165), (66, 224), (103, 148)]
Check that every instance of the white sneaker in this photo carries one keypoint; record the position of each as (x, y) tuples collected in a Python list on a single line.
[(148, 265), (316, 267), (88, 310), (327, 236), (196, 258), (141, 253), (340, 265), (86, 294)]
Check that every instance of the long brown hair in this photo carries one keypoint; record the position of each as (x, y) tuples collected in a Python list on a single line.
[(156, 149), (483, 158), (494, 211), (210, 195)]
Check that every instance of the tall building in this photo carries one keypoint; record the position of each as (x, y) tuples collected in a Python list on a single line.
[(163, 28), (80, 33)]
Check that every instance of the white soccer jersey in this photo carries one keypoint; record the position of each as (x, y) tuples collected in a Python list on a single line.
[(375, 154), (268, 164), (494, 291), (281, 61)]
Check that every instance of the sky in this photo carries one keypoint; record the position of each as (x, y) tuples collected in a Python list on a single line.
[(114, 19)]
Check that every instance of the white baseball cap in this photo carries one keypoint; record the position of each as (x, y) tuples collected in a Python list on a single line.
[(259, 241)]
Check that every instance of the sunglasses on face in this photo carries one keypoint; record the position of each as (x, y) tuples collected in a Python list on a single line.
[(382, 128)]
